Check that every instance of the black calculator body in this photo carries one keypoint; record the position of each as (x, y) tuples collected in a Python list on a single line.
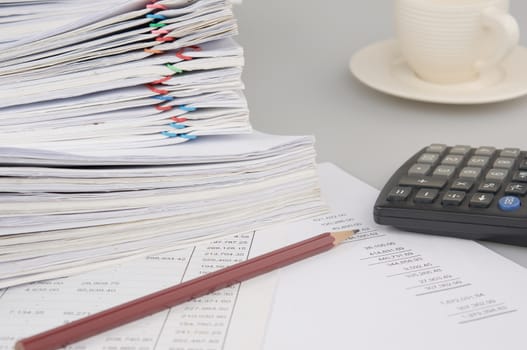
[(461, 191)]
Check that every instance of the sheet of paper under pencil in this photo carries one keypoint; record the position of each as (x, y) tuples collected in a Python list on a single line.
[(232, 318)]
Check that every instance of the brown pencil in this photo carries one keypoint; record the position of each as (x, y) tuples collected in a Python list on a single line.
[(166, 298)]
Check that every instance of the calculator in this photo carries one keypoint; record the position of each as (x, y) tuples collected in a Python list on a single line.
[(461, 191)]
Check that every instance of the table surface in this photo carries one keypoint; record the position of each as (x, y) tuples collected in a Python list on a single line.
[(298, 82)]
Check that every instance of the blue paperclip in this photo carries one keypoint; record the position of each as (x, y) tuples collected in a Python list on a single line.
[(177, 126), (169, 134), (163, 97), (156, 16), (187, 108), (188, 136)]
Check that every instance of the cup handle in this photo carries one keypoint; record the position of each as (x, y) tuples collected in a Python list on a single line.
[(508, 33)]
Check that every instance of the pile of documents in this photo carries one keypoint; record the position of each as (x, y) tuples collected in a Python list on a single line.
[(132, 74), (124, 132)]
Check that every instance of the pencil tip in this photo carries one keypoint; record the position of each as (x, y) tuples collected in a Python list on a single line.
[(342, 236)]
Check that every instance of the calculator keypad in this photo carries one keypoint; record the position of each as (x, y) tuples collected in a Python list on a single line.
[(426, 195), (505, 163), (466, 192), (428, 158), (462, 185), (510, 152), (454, 198), (489, 186), (485, 151), (520, 176), (423, 181), (452, 159), (516, 189), (509, 203), (419, 169), (478, 161), (481, 200), (399, 193), (470, 173), (464, 176)]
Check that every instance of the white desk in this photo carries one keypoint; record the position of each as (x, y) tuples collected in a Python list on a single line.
[(298, 82)]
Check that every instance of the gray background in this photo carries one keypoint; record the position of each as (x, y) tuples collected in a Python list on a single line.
[(298, 82)]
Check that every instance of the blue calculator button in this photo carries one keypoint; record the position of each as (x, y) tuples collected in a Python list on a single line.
[(509, 203)]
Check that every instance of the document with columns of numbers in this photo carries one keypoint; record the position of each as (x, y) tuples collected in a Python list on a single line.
[(231, 318), (388, 289)]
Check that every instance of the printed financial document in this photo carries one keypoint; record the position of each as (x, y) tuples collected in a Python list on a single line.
[(387, 289), (227, 319)]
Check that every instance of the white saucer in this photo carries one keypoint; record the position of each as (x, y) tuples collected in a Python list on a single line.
[(381, 67)]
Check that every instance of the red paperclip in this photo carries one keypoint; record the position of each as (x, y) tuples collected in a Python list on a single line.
[(165, 38), (163, 108), (159, 31), (180, 52), (179, 119), (156, 90), (162, 80), (156, 6)]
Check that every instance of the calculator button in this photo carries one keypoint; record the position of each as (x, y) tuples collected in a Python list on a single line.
[(514, 188), (426, 195), (485, 151), (399, 194), (523, 165), (423, 181), (436, 148), (428, 158), (489, 186), (453, 198), (478, 161), (520, 176), (419, 169), (510, 152), (509, 203), (470, 173), (452, 159), (460, 149), (444, 170), (504, 163), (497, 174), (462, 185), (481, 200)]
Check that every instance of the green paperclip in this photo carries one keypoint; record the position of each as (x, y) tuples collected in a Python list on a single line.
[(174, 68)]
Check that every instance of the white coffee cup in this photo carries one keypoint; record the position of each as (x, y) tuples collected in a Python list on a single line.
[(454, 41)]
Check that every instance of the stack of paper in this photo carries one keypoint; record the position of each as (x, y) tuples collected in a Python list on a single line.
[(128, 74), (94, 113), (58, 220)]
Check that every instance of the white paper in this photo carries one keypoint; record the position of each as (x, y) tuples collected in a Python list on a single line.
[(224, 54), (386, 289), (226, 319), (205, 150)]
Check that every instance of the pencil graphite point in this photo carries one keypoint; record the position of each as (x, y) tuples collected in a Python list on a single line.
[(342, 235)]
